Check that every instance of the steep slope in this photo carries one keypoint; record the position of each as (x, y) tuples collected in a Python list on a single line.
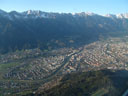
[(32, 29), (94, 83)]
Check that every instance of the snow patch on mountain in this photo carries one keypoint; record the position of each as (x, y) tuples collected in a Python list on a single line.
[(118, 16)]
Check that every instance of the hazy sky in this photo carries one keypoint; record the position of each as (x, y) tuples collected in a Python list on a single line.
[(96, 6)]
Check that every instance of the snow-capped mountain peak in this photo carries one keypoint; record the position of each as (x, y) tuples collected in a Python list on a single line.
[(122, 15), (110, 15), (85, 14), (90, 13), (29, 12), (119, 16), (39, 14), (36, 14)]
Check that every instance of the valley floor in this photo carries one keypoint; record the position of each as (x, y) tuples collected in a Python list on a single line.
[(23, 72)]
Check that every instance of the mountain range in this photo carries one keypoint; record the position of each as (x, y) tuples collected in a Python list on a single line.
[(32, 29), (39, 14)]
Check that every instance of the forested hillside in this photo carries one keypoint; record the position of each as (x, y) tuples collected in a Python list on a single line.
[(93, 83)]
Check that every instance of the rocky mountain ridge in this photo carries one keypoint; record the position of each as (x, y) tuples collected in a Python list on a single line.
[(40, 14)]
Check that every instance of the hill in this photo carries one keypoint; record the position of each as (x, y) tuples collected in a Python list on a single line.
[(93, 83)]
